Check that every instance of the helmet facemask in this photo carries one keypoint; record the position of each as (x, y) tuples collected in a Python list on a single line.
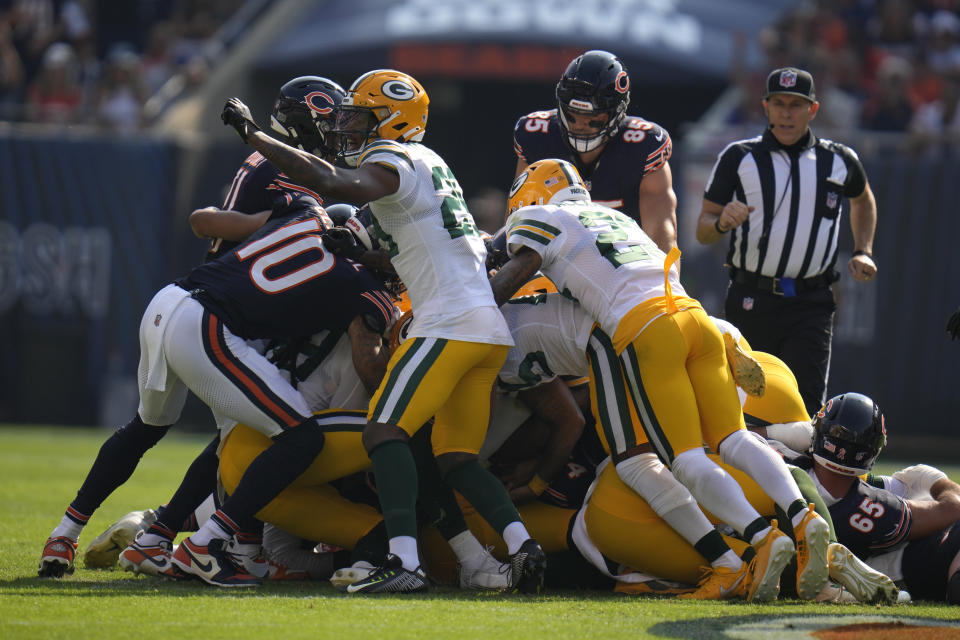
[(604, 128), (302, 128), (356, 127)]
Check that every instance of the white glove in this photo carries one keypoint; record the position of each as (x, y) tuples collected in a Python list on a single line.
[(796, 435), (918, 479)]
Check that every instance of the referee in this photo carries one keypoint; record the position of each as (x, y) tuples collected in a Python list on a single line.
[(779, 196)]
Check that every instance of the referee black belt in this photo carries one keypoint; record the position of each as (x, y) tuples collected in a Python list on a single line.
[(787, 287)]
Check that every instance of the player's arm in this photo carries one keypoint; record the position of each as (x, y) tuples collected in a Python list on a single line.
[(233, 226), (521, 167), (931, 516), (515, 273), (863, 223), (658, 207), (554, 405), (365, 184), (370, 353)]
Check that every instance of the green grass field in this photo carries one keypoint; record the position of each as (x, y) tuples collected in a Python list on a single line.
[(42, 467)]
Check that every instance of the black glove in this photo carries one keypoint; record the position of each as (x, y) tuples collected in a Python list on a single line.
[(237, 115), (953, 325), (340, 242)]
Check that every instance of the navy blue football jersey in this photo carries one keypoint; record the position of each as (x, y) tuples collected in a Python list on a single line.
[(870, 520), (281, 283), (257, 186), (639, 148)]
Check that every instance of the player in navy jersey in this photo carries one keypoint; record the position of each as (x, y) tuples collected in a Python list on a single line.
[(907, 525), (623, 159)]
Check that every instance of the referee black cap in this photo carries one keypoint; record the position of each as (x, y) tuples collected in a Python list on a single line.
[(791, 80)]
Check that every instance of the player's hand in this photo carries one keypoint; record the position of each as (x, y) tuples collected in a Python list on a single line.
[(953, 325), (340, 242), (733, 215), (862, 267), (237, 115)]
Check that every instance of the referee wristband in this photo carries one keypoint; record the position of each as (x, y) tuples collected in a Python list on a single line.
[(538, 485), (716, 225), (860, 252)]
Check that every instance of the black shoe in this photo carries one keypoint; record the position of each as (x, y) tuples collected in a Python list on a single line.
[(527, 566), (391, 577)]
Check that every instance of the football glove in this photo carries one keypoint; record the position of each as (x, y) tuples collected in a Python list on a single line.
[(237, 115), (341, 242), (953, 325)]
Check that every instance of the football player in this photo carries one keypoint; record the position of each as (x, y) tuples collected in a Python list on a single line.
[(660, 383), (304, 114), (907, 525), (459, 338), (624, 160)]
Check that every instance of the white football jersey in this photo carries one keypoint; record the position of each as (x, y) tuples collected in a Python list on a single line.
[(550, 334), (598, 255), (435, 247)]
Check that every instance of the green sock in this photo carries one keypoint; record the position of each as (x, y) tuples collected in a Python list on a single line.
[(810, 494), (437, 502), (487, 494), (396, 476)]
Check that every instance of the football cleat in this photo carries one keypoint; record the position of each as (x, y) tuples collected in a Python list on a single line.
[(213, 564), (774, 553), (106, 548), (57, 557), (152, 560), (391, 577), (655, 587), (527, 567), (360, 570), (865, 583), (250, 555), (813, 536), (483, 571), (747, 372), (720, 583)]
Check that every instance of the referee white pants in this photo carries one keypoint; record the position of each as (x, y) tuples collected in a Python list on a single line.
[(185, 347)]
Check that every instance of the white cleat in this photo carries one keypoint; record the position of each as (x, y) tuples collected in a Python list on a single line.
[(360, 570), (106, 548), (865, 583), (483, 571)]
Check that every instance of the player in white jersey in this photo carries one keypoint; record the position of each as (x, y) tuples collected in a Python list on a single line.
[(658, 364), (459, 339)]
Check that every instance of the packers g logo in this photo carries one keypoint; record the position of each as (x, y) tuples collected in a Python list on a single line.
[(397, 90), (519, 182)]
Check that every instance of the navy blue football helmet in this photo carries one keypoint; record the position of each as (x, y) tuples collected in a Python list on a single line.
[(305, 113), (594, 83), (849, 432)]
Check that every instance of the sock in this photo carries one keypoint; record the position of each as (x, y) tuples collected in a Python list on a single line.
[(714, 488), (198, 483), (436, 501), (372, 547), (466, 547), (515, 534), (396, 475), (156, 534), (115, 463), (405, 547), (218, 526), (797, 511), (757, 459), (756, 530), (487, 495), (72, 524), (718, 553)]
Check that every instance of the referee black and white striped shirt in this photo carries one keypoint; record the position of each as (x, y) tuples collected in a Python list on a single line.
[(797, 193)]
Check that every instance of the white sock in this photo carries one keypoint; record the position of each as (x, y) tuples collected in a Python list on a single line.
[(68, 529), (757, 459), (515, 535), (760, 535), (208, 532), (152, 539), (466, 547), (714, 488), (730, 560), (405, 547)]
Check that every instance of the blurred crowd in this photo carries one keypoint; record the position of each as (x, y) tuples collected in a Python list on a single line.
[(98, 62), (879, 65)]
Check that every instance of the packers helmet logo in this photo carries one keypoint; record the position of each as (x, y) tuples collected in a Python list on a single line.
[(519, 182), (320, 102), (401, 330), (397, 90), (622, 83)]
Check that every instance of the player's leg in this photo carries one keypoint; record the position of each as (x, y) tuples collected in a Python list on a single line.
[(621, 426), (458, 433), (806, 345), (724, 432), (237, 382), (162, 396)]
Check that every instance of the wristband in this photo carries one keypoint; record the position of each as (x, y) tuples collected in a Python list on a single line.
[(860, 252), (716, 225), (538, 485)]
